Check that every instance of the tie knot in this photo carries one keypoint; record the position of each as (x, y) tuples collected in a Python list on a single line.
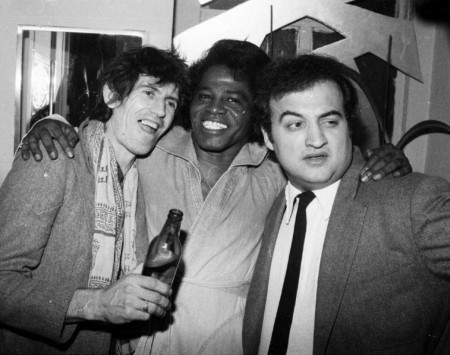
[(304, 199)]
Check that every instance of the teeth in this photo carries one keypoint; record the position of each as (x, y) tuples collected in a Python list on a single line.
[(213, 125), (150, 124)]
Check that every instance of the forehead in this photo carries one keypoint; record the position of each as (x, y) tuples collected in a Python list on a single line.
[(149, 81), (322, 96), (220, 75)]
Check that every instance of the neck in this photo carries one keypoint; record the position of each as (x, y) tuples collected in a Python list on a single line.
[(213, 165), (222, 160), (124, 158)]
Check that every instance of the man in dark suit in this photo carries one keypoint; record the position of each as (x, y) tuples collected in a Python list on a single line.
[(375, 262)]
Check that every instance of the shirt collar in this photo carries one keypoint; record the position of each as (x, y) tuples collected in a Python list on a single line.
[(324, 197)]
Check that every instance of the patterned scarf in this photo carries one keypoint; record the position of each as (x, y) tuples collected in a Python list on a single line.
[(113, 243)]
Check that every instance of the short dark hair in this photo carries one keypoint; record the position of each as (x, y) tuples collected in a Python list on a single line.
[(122, 73), (245, 60), (287, 76)]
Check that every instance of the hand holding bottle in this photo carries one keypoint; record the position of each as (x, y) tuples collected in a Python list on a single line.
[(133, 297)]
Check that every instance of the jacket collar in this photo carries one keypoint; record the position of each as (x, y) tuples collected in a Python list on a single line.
[(351, 181), (341, 242), (178, 142), (82, 133)]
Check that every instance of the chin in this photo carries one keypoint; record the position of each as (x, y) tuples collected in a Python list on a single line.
[(211, 146), (313, 182), (143, 151)]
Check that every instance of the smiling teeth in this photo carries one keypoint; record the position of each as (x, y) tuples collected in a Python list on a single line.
[(213, 125), (149, 124)]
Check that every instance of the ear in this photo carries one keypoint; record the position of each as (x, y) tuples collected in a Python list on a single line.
[(109, 97), (267, 140)]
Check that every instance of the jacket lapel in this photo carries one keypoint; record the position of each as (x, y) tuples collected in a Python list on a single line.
[(256, 299), (341, 243)]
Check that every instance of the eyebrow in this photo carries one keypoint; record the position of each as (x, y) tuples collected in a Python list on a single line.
[(233, 92), (323, 115), (156, 87), (150, 85)]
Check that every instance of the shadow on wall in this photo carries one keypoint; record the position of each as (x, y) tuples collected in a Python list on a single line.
[(436, 11)]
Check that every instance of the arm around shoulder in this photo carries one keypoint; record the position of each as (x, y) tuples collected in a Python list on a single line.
[(45, 131)]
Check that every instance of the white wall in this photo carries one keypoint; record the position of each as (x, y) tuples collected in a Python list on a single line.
[(414, 101), (152, 16), (417, 101), (438, 154)]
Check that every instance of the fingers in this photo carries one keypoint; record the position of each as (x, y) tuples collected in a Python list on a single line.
[(134, 297), (48, 144), (33, 145), (25, 150), (47, 131), (381, 169), (157, 306), (404, 170), (156, 294), (150, 283), (383, 161), (66, 137), (71, 134)]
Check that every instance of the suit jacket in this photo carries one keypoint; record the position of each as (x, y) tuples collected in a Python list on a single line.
[(46, 229), (384, 276)]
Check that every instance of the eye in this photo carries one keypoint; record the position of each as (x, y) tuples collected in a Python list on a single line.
[(295, 125), (234, 100), (149, 92), (172, 104), (330, 123), (203, 96)]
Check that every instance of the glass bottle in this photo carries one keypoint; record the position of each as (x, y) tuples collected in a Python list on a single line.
[(164, 251)]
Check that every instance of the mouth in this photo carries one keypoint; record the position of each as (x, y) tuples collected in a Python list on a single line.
[(316, 159), (214, 126), (148, 126)]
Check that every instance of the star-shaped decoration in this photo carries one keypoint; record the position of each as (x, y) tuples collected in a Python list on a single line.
[(364, 31)]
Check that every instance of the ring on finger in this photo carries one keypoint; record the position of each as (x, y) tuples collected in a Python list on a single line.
[(145, 309)]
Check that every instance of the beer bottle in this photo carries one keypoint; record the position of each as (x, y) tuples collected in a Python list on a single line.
[(164, 251)]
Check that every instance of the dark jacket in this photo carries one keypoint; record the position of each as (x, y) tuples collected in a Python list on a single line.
[(384, 277)]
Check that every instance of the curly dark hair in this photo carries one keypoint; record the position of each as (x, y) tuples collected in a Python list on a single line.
[(122, 73), (286, 76), (245, 61)]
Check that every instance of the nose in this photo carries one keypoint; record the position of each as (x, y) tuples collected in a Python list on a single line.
[(315, 137), (159, 108), (216, 106)]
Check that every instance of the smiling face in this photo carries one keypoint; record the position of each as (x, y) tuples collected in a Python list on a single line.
[(220, 112), (139, 121), (310, 136)]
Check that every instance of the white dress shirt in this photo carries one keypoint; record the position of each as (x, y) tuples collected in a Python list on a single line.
[(317, 213)]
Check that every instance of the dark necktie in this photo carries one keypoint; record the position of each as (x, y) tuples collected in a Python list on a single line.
[(283, 320)]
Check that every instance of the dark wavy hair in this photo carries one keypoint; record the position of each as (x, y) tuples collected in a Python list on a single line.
[(286, 76), (122, 73), (245, 61)]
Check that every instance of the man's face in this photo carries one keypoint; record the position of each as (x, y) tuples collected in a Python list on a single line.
[(139, 121), (220, 112), (310, 136)]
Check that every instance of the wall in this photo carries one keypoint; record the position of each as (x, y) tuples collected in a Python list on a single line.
[(412, 99), (438, 154), (187, 14), (152, 16), (417, 101)]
